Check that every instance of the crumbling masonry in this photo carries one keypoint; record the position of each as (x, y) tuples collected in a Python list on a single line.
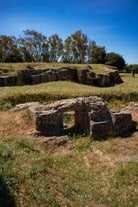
[(84, 76), (91, 116)]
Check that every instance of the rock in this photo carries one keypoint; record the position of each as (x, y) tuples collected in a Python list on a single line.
[(33, 75), (57, 140), (82, 76), (114, 77), (103, 80), (133, 106), (91, 116), (101, 129), (8, 80), (122, 123), (49, 123), (49, 117), (31, 105)]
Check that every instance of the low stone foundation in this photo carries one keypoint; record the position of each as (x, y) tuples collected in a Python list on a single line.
[(91, 116), (85, 76), (8, 80)]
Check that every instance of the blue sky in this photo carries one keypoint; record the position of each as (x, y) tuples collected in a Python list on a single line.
[(111, 23)]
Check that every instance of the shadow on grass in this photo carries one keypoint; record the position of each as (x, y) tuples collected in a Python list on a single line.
[(6, 199)]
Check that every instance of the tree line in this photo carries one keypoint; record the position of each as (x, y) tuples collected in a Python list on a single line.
[(36, 47)]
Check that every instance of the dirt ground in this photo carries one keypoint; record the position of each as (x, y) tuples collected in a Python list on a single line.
[(118, 150)]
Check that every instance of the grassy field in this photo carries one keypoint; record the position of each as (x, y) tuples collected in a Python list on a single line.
[(13, 68), (87, 173), (127, 91)]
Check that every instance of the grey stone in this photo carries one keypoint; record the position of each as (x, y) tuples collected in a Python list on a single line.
[(122, 123), (58, 140), (8, 80), (32, 75), (91, 116), (49, 123), (103, 80), (101, 129)]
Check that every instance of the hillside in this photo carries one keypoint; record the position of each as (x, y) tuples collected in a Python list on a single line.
[(84, 172)]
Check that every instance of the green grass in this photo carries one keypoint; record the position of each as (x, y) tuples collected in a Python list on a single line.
[(13, 68), (37, 179), (10, 96), (34, 175), (26, 115)]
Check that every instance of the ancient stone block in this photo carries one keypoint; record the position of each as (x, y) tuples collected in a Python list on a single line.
[(82, 76), (101, 129), (32, 75), (49, 123), (122, 123), (8, 80), (91, 116), (114, 77), (103, 80), (82, 121)]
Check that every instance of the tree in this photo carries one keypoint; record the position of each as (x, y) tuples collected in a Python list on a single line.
[(75, 48), (67, 56), (79, 46), (45, 52), (36, 47), (116, 60), (131, 67), (32, 45), (9, 51), (55, 48), (25, 49), (96, 54)]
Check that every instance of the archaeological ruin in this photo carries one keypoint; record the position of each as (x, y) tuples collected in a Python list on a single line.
[(31, 76), (91, 116)]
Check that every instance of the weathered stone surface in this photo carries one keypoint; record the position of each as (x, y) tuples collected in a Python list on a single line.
[(103, 80), (49, 123), (100, 129), (82, 76), (133, 106), (122, 123), (35, 76), (8, 80), (115, 77), (91, 116), (49, 117), (82, 121), (58, 140), (20, 107)]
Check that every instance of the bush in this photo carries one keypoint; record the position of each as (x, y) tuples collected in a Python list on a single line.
[(115, 60), (131, 67), (5, 152)]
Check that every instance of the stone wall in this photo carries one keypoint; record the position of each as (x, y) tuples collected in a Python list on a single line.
[(91, 116), (35, 76), (8, 80)]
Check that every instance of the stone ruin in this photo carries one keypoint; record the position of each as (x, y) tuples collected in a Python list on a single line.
[(31, 76), (91, 116)]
